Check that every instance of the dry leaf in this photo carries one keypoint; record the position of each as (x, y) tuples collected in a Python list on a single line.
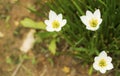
[(1, 35), (28, 42), (66, 69)]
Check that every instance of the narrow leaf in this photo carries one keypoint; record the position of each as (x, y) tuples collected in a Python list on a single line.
[(90, 71)]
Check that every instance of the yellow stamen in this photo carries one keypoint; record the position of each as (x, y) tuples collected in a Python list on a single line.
[(102, 63), (55, 24), (93, 22)]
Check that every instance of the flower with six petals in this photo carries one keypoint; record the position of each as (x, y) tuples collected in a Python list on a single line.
[(55, 22), (92, 20), (102, 62)]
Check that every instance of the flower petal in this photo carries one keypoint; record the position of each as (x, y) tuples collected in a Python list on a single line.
[(95, 66), (92, 28), (60, 16), (97, 13), (103, 70), (58, 29), (103, 54), (49, 28), (89, 14), (99, 21), (110, 66), (96, 58), (47, 22), (52, 15), (109, 59), (84, 19), (63, 22)]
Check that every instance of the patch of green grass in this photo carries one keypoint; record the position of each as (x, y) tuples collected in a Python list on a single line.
[(87, 43)]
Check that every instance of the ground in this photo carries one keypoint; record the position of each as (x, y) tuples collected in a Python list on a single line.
[(11, 12)]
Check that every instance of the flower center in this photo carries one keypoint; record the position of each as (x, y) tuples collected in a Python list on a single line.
[(55, 24), (102, 63), (93, 22)]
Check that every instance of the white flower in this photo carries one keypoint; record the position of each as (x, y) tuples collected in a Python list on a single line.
[(55, 22), (92, 20), (102, 62), (28, 42)]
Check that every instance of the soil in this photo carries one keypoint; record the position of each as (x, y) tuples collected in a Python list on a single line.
[(11, 12)]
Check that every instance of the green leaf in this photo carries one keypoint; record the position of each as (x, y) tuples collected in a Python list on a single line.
[(45, 34), (51, 61), (25, 56), (8, 60), (90, 71), (52, 46), (32, 24), (34, 60)]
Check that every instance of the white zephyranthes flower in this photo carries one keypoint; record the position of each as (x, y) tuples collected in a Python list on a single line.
[(102, 62), (92, 20), (55, 22)]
